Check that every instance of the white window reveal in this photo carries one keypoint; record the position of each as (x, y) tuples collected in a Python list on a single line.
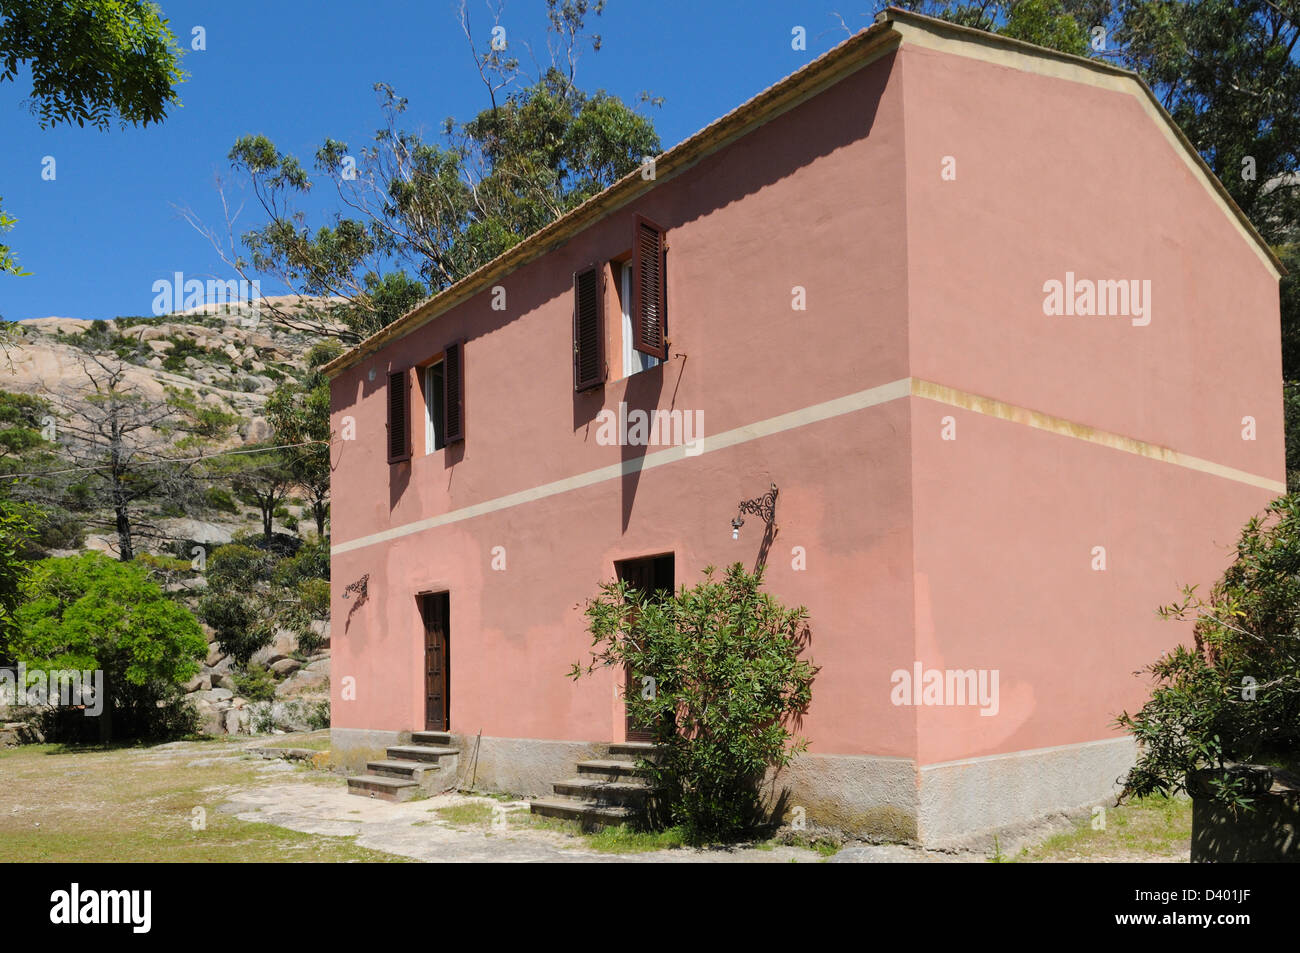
[(433, 400), (633, 360)]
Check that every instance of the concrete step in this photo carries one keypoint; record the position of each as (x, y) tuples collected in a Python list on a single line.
[(406, 770), (382, 788), (611, 769), (429, 753), (588, 813), (442, 738), (632, 750), (617, 793)]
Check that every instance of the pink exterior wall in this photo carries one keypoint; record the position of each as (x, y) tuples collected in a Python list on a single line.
[(973, 553), (812, 196), (1053, 176)]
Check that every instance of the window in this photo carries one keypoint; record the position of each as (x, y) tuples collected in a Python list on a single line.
[(588, 328), (649, 289), (399, 424), (434, 422), (634, 361)]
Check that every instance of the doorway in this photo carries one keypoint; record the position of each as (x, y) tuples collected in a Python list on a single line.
[(649, 574), (436, 609)]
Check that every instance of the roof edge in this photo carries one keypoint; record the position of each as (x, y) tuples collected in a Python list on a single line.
[(854, 52), (881, 37), (934, 25)]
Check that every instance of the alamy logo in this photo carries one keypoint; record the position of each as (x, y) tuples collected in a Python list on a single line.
[(655, 428), (946, 687), (67, 687), (1124, 297), (102, 906), (185, 294)]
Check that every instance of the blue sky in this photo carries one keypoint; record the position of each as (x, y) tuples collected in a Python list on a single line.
[(97, 236)]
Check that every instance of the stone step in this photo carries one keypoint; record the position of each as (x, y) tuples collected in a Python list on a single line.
[(588, 813), (611, 769), (407, 770), (429, 753), (442, 738), (619, 793), (632, 750), (383, 789)]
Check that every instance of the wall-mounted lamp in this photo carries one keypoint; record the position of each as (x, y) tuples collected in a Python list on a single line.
[(764, 506), (361, 587)]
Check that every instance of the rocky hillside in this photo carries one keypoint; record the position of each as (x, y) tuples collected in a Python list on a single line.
[(228, 360), (231, 363)]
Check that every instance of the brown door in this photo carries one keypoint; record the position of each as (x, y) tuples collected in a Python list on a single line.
[(651, 574), (437, 696)]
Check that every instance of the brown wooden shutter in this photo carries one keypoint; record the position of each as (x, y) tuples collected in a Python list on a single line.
[(649, 290), (399, 417), (453, 393), (588, 328)]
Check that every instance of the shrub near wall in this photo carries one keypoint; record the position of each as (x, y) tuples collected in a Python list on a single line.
[(718, 674)]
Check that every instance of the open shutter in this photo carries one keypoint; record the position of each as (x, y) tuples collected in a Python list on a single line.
[(453, 390), (399, 417), (588, 328), (649, 290)]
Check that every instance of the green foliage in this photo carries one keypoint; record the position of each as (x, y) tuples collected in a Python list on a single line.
[(1056, 24), (1225, 71), (1046, 23), (90, 612), (242, 624), (255, 682), (445, 207), (21, 422), (91, 61), (15, 533), (299, 415), (727, 682), (252, 592), (8, 264), (220, 499), (183, 347), (1235, 696)]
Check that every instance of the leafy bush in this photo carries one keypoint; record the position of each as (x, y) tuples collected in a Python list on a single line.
[(90, 612), (318, 716), (1235, 696), (719, 677), (15, 533), (255, 682), (255, 589), (221, 500)]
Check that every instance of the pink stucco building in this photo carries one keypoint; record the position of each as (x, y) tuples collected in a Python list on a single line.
[(1007, 349)]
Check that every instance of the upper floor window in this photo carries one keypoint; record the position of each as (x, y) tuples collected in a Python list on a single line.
[(442, 388), (643, 293)]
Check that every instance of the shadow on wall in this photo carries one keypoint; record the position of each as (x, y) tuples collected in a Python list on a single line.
[(767, 155)]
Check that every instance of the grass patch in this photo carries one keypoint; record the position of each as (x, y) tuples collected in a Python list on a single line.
[(138, 804), (1155, 826), (624, 840), (470, 814)]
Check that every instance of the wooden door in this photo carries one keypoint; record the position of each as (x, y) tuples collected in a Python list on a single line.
[(436, 608), (651, 574)]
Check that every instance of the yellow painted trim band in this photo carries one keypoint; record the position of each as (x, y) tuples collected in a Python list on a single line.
[(851, 403), (1069, 428)]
